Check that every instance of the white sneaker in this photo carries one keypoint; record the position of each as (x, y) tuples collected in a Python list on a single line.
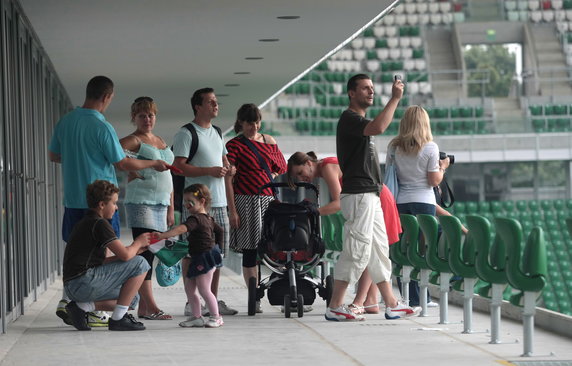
[(204, 311), (193, 322), (401, 311), (188, 311), (432, 304), (214, 322), (342, 314)]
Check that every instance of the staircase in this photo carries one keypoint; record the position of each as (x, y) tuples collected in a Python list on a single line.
[(509, 116), (444, 84), (554, 79)]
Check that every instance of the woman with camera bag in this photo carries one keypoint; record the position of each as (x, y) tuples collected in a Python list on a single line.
[(419, 169)]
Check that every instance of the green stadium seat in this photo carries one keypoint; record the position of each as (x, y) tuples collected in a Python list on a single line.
[(381, 43), (418, 53), (535, 110), (508, 206), (368, 32), (471, 208), (539, 125), (458, 208), (484, 207), (546, 205), (496, 207)]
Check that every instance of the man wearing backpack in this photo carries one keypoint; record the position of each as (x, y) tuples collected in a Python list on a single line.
[(204, 161)]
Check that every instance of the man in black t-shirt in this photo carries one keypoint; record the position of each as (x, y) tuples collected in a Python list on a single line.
[(365, 239), (97, 282)]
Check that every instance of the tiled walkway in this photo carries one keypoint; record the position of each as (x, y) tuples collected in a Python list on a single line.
[(39, 337)]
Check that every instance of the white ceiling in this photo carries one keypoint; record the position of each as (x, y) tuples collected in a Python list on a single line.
[(167, 49)]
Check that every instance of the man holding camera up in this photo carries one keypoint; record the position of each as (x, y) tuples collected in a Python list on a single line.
[(365, 238)]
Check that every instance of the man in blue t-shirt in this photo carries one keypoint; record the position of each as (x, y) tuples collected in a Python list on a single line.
[(88, 148)]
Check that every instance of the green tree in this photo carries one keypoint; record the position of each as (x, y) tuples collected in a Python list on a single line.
[(498, 65)]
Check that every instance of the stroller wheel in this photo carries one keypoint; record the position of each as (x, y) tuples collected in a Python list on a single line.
[(287, 303), (252, 296), (300, 305)]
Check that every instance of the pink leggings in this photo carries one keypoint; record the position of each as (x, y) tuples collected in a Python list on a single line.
[(203, 284)]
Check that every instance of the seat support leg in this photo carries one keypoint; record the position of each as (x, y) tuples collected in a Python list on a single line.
[(444, 278), (528, 322), (496, 302), (423, 285), (469, 286), (406, 271)]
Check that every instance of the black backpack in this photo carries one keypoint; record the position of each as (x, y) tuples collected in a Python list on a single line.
[(179, 180)]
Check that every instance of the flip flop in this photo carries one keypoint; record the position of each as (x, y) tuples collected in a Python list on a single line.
[(160, 315)]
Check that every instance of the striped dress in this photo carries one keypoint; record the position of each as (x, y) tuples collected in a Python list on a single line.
[(249, 177)]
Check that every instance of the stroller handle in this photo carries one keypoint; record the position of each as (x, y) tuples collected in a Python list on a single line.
[(288, 185)]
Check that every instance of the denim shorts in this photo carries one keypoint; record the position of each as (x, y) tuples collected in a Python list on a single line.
[(105, 282)]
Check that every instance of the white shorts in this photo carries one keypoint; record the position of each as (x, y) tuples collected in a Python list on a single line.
[(365, 240)]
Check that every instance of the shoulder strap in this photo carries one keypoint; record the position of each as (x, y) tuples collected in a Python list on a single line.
[(195, 142), (261, 161)]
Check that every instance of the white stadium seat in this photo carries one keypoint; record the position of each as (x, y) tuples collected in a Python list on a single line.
[(559, 16), (420, 64), (372, 65), (338, 88), (557, 4), (512, 16), (346, 55), (379, 31), (447, 18), (445, 7), (382, 53), (412, 19), (412, 87), (391, 31), (387, 88), (406, 53), (510, 5), (533, 5), (401, 19), (399, 9), (410, 8), (392, 42), (433, 7), (360, 55), (535, 16), (404, 42), (357, 43), (378, 88), (436, 19), (369, 43), (389, 19), (395, 53), (422, 8), (569, 15), (424, 87), (522, 5), (408, 64), (523, 15), (416, 42), (548, 15)]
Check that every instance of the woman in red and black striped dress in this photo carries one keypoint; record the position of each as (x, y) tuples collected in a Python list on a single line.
[(242, 189)]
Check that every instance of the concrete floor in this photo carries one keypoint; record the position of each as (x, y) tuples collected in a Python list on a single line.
[(39, 337)]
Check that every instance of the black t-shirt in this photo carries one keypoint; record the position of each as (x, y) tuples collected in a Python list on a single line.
[(357, 155), (204, 232), (86, 245)]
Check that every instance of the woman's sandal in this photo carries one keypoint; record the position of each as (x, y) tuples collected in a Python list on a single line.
[(160, 315), (371, 309), (359, 310)]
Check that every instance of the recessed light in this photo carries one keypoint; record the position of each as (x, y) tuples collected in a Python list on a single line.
[(288, 17), (242, 72), (254, 58), (268, 40), (231, 84)]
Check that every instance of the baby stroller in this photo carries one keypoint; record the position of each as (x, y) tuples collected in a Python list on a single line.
[(291, 247)]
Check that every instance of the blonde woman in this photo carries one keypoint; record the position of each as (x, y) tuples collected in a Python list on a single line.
[(418, 170)]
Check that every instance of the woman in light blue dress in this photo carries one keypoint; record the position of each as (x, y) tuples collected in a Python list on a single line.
[(149, 196)]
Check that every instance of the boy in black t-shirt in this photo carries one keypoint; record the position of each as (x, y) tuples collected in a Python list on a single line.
[(95, 281)]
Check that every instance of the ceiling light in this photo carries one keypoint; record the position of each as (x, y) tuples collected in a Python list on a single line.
[(242, 72), (231, 84), (288, 17), (268, 40), (254, 58)]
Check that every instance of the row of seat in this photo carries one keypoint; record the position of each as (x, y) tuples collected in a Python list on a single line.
[(551, 124), (537, 4), (497, 207)]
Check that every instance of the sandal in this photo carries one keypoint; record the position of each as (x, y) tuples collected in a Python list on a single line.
[(358, 310), (160, 315), (371, 309)]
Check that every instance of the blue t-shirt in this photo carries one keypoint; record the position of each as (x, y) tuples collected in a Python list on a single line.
[(88, 146), (209, 153)]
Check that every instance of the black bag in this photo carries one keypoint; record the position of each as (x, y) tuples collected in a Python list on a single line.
[(179, 180)]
